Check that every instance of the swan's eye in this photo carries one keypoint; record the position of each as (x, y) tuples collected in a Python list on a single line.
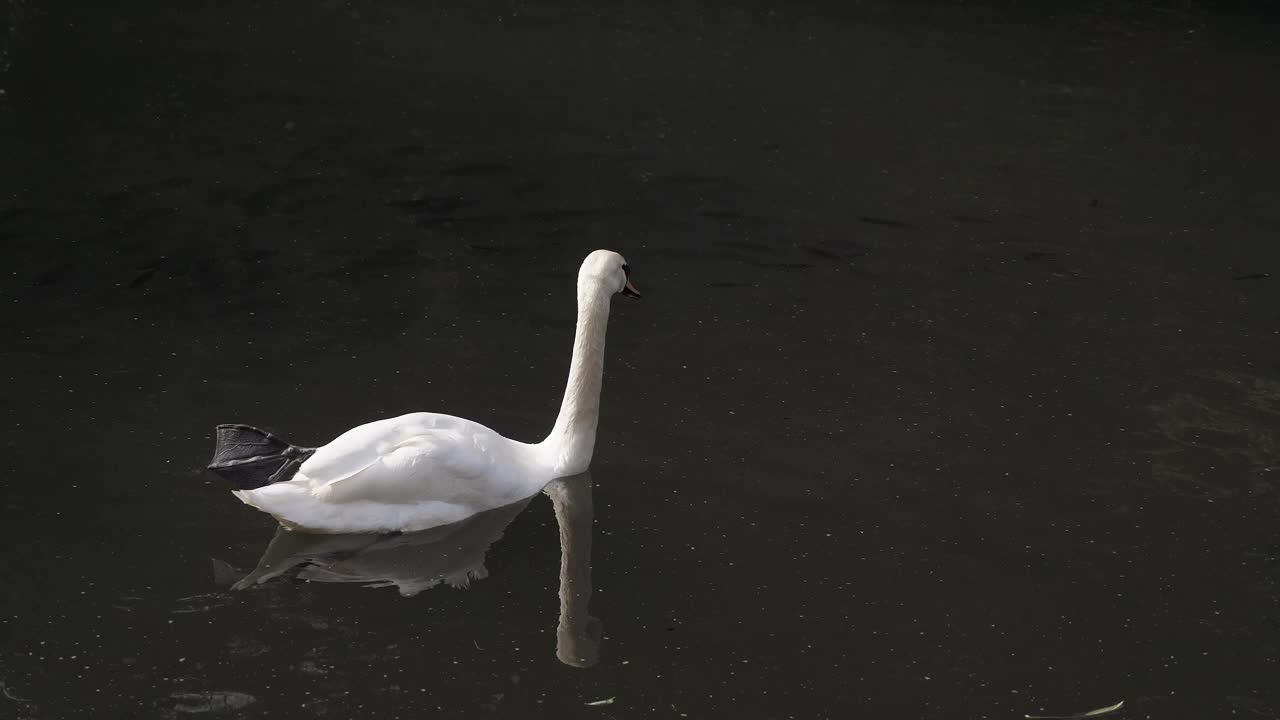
[(626, 269)]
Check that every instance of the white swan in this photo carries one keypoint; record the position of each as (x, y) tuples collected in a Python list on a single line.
[(422, 470)]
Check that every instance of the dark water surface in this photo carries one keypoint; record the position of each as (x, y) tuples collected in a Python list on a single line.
[(954, 394)]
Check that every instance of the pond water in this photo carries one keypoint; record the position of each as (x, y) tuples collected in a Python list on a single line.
[(954, 392)]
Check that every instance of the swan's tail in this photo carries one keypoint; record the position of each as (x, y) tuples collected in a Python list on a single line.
[(250, 458)]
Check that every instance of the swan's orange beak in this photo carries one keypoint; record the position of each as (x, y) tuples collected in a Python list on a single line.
[(630, 289)]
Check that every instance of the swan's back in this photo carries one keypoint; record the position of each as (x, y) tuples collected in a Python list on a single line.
[(361, 446), (420, 456)]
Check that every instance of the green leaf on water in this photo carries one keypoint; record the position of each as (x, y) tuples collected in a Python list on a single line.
[(1092, 713), (606, 701)]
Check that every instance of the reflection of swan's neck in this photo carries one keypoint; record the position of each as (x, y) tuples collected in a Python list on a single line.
[(573, 438), (577, 635)]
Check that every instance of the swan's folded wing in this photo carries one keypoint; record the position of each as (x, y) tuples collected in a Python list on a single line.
[(438, 465), (359, 448)]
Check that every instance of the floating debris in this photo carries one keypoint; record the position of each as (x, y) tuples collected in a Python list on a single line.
[(213, 701), (1092, 713), (203, 602), (4, 689), (606, 701)]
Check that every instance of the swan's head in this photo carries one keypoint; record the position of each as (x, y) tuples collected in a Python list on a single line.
[(607, 269)]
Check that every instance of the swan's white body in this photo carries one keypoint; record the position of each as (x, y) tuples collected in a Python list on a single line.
[(407, 473), (422, 470)]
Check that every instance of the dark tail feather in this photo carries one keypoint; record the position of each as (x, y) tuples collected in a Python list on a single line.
[(249, 458)]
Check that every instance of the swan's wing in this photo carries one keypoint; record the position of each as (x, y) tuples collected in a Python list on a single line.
[(441, 465), (364, 445), (349, 453)]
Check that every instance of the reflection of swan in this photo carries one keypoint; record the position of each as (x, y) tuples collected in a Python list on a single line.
[(422, 470), (578, 635), (453, 555)]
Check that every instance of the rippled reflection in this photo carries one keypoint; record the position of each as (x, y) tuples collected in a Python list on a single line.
[(578, 634), (452, 555)]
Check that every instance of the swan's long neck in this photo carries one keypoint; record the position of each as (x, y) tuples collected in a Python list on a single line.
[(573, 438)]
